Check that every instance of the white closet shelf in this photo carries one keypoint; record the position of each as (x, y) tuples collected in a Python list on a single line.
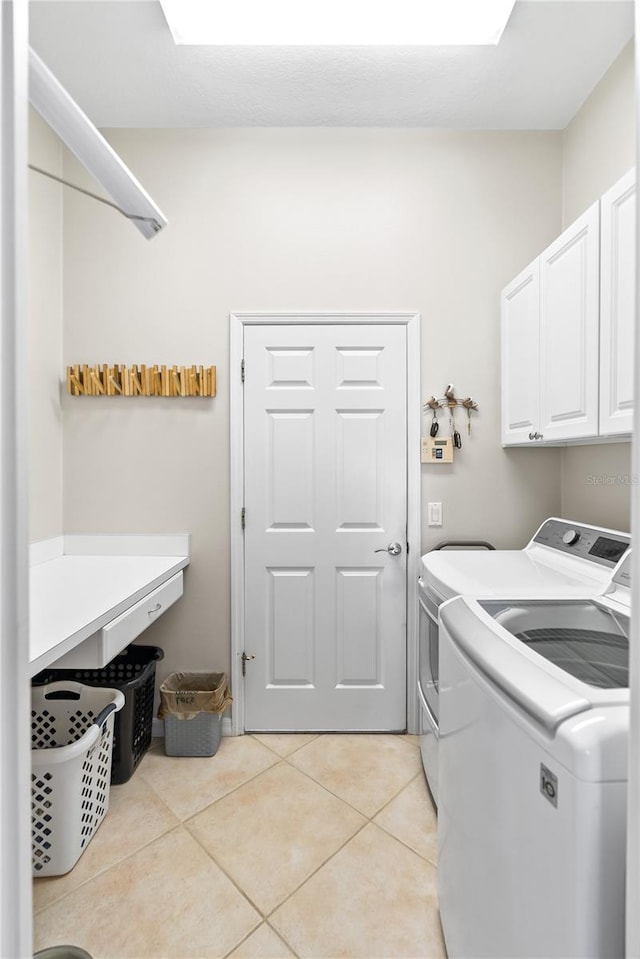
[(91, 595)]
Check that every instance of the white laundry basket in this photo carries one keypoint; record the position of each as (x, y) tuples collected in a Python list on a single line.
[(71, 740)]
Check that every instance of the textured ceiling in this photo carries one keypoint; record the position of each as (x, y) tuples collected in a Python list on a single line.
[(119, 62)]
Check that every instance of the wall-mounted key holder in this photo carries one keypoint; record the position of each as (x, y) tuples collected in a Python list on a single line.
[(104, 380), (447, 402)]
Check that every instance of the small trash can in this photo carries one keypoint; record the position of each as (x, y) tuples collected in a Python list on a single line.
[(191, 705)]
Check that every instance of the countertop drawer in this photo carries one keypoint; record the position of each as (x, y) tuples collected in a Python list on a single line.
[(100, 648)]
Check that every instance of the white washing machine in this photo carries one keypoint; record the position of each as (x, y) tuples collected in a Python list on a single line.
[(533, 767), (563, 559)]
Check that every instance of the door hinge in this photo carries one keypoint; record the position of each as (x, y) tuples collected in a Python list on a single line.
[(242, 370), (243, 518)]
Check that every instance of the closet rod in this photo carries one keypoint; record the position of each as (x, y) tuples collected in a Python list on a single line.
[(94, 196)]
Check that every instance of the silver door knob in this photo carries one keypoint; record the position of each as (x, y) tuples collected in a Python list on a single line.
[(394, 548)]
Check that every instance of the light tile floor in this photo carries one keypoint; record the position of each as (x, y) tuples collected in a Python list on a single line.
[(277, 846)]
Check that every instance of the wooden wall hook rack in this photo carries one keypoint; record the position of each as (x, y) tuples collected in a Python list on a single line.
[(451, 401), (104, 380)]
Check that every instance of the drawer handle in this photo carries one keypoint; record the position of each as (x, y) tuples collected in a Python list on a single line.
[(154, 609)]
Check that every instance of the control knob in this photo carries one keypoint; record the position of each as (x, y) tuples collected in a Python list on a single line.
[(571, 537)]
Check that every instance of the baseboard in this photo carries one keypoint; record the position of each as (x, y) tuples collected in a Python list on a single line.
[(157, 730)]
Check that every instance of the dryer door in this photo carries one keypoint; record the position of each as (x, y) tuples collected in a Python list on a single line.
[(428, 656)]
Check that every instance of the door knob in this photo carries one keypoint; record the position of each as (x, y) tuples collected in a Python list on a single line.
[(394, 548)]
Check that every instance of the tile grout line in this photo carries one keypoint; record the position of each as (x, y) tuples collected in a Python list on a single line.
[(315, 871), (264, 922), (157, 796), (388, 803), (116, 862), (243, 893), (231, 791), (294, 892), (177, 825), (406, 845), (264, 915), (101, 872), (254, 736), (286, 942), (369, 822), (331, 793), (179, 822), (395, 795), (183, 823), (197, 812), (346, 801), (393, 836)]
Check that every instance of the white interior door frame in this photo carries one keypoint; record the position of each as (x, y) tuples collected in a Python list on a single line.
[(238, 322), (15, 757), (632, 949)]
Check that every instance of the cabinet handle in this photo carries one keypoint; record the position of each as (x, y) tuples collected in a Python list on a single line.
[(154, 609)]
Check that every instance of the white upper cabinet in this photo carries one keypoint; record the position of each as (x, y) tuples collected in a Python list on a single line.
[(568, 328), (521, 356), (569, 306), (617, 306)]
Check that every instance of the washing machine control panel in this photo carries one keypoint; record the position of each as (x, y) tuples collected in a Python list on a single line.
[(604, 547), (571, 537)]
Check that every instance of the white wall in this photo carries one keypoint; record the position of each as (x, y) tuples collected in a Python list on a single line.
[(45, 334), (309, 219), (598, 148), (599, 144)]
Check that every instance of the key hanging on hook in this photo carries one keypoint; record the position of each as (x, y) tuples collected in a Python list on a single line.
[(435, 426), (470, 406), (455, 435)]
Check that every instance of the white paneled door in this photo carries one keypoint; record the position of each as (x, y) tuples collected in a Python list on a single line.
[(325, 432)]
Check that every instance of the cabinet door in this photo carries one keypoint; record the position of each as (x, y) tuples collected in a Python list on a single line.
[(617, 305), (569, 307), (520, 357)]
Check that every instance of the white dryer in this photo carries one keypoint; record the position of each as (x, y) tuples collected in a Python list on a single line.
[(563, 559), (533, 767)]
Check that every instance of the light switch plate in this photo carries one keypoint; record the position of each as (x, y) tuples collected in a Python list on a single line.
[(434, 514)]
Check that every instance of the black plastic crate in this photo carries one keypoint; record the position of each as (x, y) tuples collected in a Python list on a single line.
[(133, 672)]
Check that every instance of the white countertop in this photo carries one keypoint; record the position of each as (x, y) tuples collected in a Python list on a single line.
[(80, 583)]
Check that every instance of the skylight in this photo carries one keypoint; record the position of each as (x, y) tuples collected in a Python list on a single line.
[(337, 22)]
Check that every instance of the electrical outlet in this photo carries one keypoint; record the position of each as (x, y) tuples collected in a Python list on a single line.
[(434, 514)]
